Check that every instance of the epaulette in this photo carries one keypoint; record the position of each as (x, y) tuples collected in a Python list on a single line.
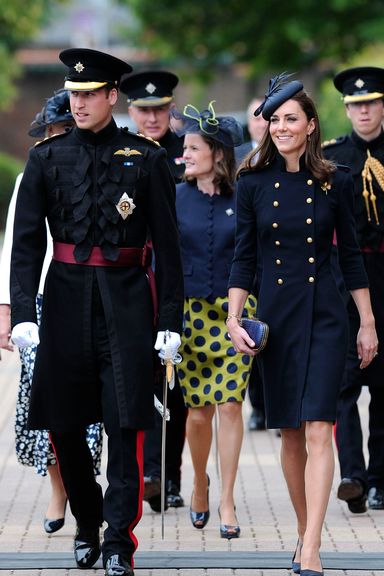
[(140, 136), (334, 141), (48, 138)]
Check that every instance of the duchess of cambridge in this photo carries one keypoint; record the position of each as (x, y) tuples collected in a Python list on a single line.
[(289, 204)]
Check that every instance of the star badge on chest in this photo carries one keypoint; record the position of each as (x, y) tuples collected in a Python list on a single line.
[(125, 206)]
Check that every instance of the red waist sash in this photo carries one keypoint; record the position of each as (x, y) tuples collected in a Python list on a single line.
[(127, 256)]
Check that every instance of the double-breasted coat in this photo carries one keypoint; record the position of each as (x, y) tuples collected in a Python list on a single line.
[(288, 220), (76, 181)]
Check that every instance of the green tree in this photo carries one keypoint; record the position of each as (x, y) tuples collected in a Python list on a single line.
[(19, 21), (264, 35)]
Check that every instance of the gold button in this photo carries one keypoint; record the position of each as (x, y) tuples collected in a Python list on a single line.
[(277, 242), (277, 185), (275, 225), (280, 281), (309, 240), (311, 279), (278, 261), (311, 259), (309, 200), (309, 182), (309, 220), (275, 203)]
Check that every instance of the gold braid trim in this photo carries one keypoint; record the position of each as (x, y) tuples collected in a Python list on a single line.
[(372, 168)]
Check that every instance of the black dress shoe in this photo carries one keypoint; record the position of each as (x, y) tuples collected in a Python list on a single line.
[(86, 547), (174, 498), (256, 420), (376, 498), (152, 493), (352, 492), (152, 487), (116, 565), (349, 489), (358, 505)]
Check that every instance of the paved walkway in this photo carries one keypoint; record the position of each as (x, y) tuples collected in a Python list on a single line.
[(263, 508)]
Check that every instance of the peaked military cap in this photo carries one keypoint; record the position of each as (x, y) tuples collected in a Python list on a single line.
[(150, 88), (360, 84), (280, 89), (90, 69), (56, 109)]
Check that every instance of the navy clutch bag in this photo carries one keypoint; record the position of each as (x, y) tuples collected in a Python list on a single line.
[(257, 330)]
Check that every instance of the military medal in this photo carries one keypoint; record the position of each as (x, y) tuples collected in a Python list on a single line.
[(125, 206)]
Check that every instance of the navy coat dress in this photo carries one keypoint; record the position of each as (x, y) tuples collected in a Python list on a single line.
[(288, 219)]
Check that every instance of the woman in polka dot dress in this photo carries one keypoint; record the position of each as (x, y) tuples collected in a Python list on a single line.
[(211, 374)]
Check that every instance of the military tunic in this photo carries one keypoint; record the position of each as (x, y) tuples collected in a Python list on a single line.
[(288, 219), (76, 180), (352, 152)]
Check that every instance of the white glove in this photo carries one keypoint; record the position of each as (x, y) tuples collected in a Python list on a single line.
[(25, 334), (167, 343)]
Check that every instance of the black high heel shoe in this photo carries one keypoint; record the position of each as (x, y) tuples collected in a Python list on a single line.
[(309, 572), (200, 519), (296, 567), (228, 531), (51, 526)]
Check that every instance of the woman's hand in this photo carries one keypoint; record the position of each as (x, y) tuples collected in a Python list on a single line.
[(241, 341), (367, 344)]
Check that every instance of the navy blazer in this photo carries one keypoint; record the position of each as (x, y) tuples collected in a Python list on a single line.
[(207, 236)]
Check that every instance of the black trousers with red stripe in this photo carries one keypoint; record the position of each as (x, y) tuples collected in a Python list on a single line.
[(121, 507)]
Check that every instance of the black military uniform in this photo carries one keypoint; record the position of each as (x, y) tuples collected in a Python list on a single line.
[(152, 89), (101, 191), (366, 161)]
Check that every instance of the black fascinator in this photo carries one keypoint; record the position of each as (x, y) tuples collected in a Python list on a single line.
[(280, 90), (56, 109), (225, 129)]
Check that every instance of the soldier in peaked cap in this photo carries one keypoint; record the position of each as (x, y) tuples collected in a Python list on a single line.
[(101, 189), (150, 100), (363, 151)]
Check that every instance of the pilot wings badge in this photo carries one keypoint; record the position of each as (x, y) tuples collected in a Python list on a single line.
[(125, 206), (127, 152)]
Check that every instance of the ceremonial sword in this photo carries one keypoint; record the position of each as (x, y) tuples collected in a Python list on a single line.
[(169, 360)]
